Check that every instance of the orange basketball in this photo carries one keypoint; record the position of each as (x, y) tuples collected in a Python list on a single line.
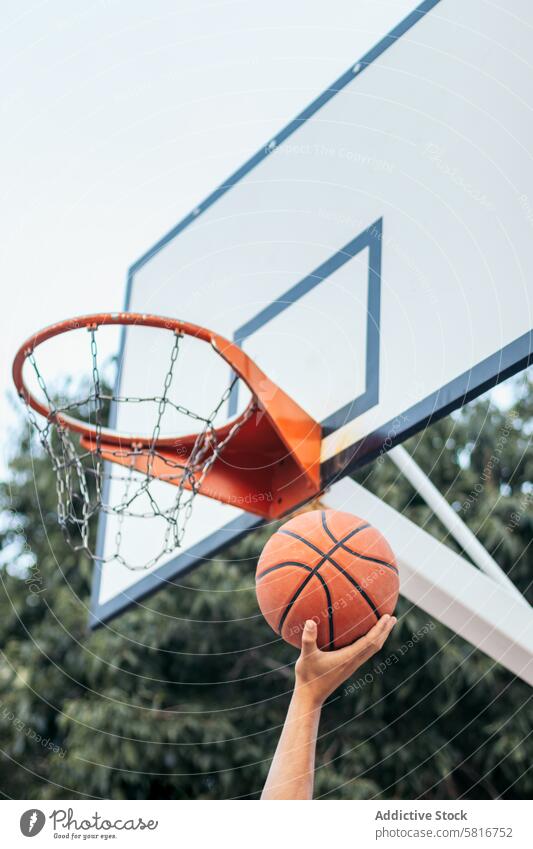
[(328, 566)]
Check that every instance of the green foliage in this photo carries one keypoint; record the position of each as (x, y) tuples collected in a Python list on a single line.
[(184, 696)]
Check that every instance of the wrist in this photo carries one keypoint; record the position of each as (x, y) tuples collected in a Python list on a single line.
[(306, 697)]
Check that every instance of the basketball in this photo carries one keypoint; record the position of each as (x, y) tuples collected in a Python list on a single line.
[(328, 566)]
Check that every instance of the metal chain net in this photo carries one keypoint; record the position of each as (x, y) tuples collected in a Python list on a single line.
[(85, 481)]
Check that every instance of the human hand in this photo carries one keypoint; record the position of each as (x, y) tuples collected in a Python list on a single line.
[(318, 672)]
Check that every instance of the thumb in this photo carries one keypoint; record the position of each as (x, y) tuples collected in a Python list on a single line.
[(309, 636)]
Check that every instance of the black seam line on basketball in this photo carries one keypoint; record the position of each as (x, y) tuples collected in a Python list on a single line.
[(357, 586), (348, 577), (325, 526), (356, 553), (371, 559), (314, 570), (354, 583), (337, 545), (281, 565), (328, 557), (331, 643)]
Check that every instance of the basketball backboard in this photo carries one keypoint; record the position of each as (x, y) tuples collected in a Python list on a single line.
[(374, 257)]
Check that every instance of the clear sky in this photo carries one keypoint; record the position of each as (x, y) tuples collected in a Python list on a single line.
[(119, 116)]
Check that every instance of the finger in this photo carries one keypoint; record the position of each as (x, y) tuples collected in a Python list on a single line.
[(372, 641), (309, 637)]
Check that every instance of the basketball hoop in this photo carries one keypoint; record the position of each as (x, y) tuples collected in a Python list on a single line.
[(265, 460)]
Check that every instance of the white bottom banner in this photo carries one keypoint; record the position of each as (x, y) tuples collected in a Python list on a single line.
[(261, 824)]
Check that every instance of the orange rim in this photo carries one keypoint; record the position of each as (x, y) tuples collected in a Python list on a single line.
[(241, 364)]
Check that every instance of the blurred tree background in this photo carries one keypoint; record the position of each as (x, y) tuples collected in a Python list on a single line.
[(184, 696)]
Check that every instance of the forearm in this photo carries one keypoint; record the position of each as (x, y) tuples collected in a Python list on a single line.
[(318, 674), (291, 774)]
